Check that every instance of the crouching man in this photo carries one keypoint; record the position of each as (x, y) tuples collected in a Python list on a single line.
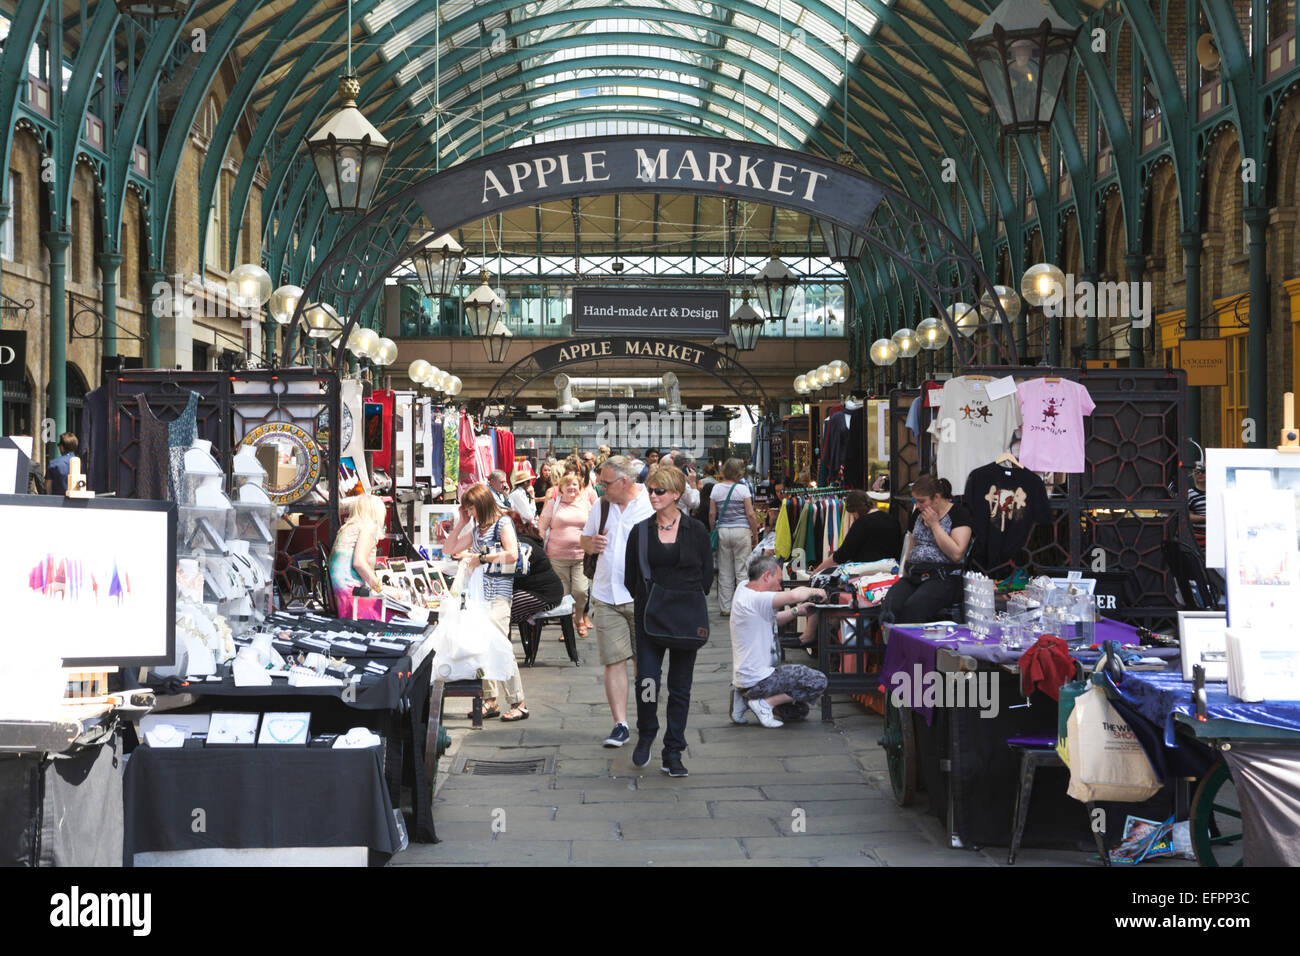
[(775, 692)]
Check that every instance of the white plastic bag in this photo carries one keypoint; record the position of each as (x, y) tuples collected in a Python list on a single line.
[(466, 643), (1106, 760)]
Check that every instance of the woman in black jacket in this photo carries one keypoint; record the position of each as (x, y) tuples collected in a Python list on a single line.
[(680, 558)]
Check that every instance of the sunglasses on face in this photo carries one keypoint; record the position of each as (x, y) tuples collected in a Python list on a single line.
[(659, 491)]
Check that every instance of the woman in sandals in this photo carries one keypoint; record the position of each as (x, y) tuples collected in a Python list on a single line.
[(561, 525), (485, 535)]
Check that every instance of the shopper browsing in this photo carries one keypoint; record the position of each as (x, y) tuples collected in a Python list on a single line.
[(352, 559), (941, 535), (731, 514), (614, 607), (519, 500), (561, 525), (56, 472), (763, 684), (484, 535), (668, 567), (873, 536)]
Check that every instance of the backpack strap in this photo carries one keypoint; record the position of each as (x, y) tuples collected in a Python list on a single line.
[(643, 552)]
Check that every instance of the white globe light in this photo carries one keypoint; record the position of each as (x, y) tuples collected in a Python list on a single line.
[(322, 321), (284, 302), (442, 380), (454, 387), (362, 342), (932, 333), (1041, 282), (249, 286), (384, 352), (839, 371), (823, 375), (884, 352), (801, 384), (965, 316), (418, 371), (907, 341)]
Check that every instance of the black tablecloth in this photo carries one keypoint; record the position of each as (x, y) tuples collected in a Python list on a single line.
[(381, 692), (247, 797)]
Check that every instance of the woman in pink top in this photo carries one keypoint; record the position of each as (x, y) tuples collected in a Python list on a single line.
[(561, 525)]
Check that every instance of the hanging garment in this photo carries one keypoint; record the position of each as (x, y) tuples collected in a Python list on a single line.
[(469, 471), (971, 429), (504, 442), (436, 452), (815, 520), (1052, 437), (782, 550), (835, 441), (180, 437), (483, 456), (151, 472), (451, 450), (800, 540), (94, 438), (1004, 503), (855, 449)]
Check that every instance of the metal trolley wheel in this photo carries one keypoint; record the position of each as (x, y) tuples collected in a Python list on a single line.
[(899, 741), (1216, 819)]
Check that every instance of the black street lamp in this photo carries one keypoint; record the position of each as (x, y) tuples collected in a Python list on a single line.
[(776, 285), (437, 265), (1021, 52), (348, 153), (481, 307), (498, 343), (746, 324)]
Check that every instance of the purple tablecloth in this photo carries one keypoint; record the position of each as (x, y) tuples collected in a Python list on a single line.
[(909, 647)]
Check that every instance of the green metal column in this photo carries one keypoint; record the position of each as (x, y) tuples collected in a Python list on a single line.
[(4, 217), (1256, 218), (57, 241), (109, 263), (1134, 263), (1191, 243), (153, 278)]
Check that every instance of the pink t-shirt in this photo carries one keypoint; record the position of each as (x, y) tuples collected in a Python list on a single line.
[(566, 526), (1051, 437)]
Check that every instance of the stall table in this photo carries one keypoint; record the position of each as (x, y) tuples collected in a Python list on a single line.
[(960, 755)]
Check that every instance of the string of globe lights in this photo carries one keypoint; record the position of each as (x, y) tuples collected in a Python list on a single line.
[(1037, 285), (823, 376), (434, 378)]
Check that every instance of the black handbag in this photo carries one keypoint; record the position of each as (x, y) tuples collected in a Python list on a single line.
[(673, 618)]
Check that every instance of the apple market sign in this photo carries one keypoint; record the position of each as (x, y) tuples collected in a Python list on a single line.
[(568, 169)]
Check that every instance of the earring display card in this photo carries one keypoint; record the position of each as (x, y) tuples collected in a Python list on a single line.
[(233, 728), (285, 728)]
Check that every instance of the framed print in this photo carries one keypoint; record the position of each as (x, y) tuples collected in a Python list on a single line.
[(1247, 469), (1263, 565), (374, 426), (95, 575), (349, 479), (1203, 637), (403, 439), (435, 524)]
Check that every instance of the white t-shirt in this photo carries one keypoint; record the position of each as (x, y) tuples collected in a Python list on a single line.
[(970, 429), (754, 645), (733, 516), (521, 501), (607, 585)]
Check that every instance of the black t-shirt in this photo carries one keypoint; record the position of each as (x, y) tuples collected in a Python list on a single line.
[(1005, 503), (874, 536), (541, 579)]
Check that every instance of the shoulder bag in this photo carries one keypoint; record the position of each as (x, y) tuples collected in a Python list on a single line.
[(713, 535), (674, 618), (589, 560), (522, 562)]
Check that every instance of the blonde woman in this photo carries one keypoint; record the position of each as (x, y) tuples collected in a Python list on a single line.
[(561, 525), (352, 560), (484, 534)]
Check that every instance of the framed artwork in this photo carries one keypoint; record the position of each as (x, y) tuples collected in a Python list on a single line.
[(291, 458), (374, 426), (1250, 469), (1263, 565), (349, 479), (435, 524), (403, 440), (1203, 638), (95, 575)]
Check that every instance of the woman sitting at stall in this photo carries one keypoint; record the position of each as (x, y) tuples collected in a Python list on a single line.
[(873, 535), (540, 589), (941, 535), (352, 560), (484, 535)]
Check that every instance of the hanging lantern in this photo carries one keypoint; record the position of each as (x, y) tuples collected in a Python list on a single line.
[(932, 333), (1042, 282), (284, 303), (437, 265), (480, 306), (498, 343), (348, 153), (248, 287), (776, 284), (746, 325), (884, 352), (322, 321), (726, 345), (1021, 52)]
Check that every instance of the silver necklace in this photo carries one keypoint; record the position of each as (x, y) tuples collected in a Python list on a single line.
[(668, 527)]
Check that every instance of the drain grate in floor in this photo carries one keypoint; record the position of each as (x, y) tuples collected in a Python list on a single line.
[(530, 766)]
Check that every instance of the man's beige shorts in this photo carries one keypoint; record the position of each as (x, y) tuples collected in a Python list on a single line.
[(614, 623)]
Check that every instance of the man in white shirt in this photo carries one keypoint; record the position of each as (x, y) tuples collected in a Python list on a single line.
[(761, 682), (519, 500), (500, 487), (613, 606)]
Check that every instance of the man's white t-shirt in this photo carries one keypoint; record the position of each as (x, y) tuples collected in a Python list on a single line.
[(522, 502), (607, 585), (753, 636)]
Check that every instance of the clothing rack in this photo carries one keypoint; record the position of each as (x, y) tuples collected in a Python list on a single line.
[(816, 492)]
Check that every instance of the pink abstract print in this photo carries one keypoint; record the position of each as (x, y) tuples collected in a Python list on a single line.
[(68, 579)]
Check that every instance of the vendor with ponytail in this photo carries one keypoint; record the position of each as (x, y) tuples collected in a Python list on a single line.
[(941, 535)]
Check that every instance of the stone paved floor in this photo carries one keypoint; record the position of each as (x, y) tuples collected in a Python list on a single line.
[(737, 807)]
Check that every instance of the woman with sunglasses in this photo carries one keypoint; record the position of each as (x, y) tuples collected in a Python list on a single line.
[(679, 559)]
